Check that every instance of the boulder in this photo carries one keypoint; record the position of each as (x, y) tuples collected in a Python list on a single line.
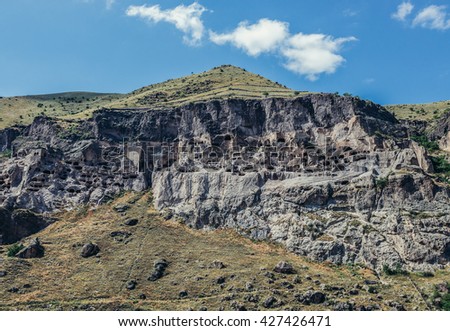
[(131, 285), (121, 208), (159, 269), (120, 235), (237, 306), (270, 302), (217, 265), (220, 280), (343, 306), (284, 267), (131, 222), (13, 290), (89, 250), (311, 297), (34, 250), (396, 306)]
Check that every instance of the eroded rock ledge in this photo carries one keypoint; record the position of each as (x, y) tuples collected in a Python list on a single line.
[(333, 178)]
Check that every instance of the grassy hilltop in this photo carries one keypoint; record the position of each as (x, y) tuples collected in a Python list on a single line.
[(218, 83)]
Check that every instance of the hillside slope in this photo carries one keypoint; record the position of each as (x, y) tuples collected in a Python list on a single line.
[(206, 270), (218, 83), (22, 110), (422, 112)]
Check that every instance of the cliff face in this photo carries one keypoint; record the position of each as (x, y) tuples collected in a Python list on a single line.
[(441, 132), (333, 178)]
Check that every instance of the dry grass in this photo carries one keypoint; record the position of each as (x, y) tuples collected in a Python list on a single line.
[(218, 83), (425, 112), (64, 280), (22, 110)]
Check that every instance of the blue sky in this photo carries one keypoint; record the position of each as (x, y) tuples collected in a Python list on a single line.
[(386, 51)]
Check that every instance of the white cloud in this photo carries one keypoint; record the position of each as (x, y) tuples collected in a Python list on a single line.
[(305, 54), (350, 13), (313, 54), (403, 10), (110, 3), (185, 18), (433, 17), (262, 37)]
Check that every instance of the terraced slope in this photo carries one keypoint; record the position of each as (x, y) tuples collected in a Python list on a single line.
[(221, 82)]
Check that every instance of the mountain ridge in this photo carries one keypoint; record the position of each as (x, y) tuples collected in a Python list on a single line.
[(226, 81)]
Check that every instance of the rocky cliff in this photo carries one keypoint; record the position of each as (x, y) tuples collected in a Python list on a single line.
[(332, 178)]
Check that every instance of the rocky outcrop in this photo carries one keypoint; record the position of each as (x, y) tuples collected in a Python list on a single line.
[(320, 217), (442, 127), (32, 251), (333, 178), (7, 136), (441, 132), (19, 223)]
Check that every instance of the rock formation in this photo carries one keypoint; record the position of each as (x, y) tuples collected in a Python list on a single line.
[(333, 178), (32, 251)]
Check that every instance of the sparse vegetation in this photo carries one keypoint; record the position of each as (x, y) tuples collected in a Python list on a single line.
[(6, 153), (441, 296), (430, 146), (445, 302), (424, 112), (65, 105), (382, 182), (442, 168), (367, 228), (441, 165), (426, 274), (14, 249), (393, 271)]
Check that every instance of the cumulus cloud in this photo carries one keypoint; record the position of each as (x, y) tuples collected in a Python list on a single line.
[(313, 54), (433, 17), (305, 54), (262, 37), (403, 10), (185, 18)]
